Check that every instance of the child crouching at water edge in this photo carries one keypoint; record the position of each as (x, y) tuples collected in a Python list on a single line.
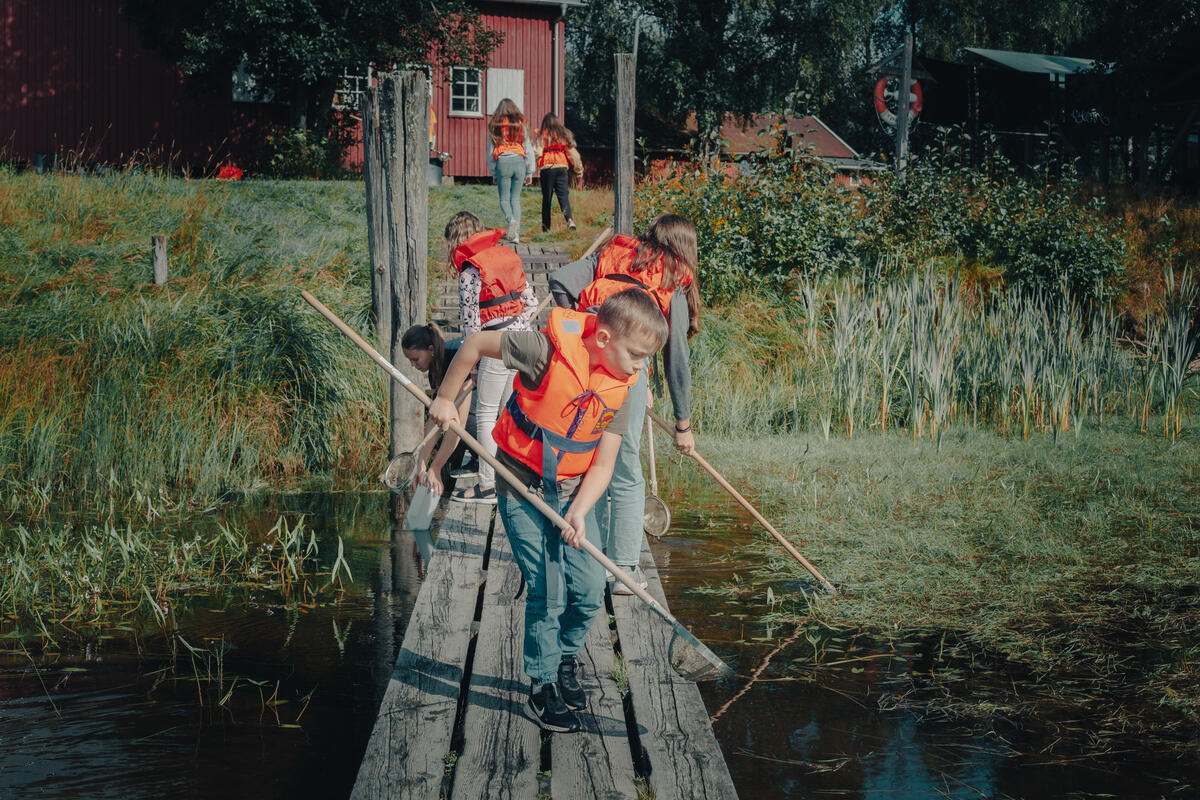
[(559, 434)]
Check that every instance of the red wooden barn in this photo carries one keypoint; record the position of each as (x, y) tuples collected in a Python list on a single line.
[(75, 79)]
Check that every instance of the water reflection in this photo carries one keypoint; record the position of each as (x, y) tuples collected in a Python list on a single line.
[(139, 716)]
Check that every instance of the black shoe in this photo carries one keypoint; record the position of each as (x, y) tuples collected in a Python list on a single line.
[(546, 708), (572, 693)]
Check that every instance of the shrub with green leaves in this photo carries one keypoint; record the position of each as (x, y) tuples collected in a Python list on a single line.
[(771, 221)]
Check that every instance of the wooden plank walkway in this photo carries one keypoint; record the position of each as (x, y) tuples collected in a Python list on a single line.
[(451, 723), (539, 261)]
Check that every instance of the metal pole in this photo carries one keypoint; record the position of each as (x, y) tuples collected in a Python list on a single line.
[(903, 101)]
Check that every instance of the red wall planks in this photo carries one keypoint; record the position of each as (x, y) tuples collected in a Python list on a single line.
[(74, 77)]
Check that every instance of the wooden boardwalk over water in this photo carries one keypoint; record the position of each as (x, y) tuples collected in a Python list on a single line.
[(451, 723)]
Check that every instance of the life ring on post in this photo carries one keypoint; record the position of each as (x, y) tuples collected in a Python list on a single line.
[(881, 96)]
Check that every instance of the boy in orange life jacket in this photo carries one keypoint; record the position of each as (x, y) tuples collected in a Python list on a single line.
[(560, 433)]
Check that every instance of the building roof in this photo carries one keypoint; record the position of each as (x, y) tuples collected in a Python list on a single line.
[(1032, 62), (572, 3), (756, 134)]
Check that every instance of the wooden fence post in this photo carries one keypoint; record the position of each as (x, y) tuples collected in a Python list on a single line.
[(159, 243), (404, 145), (377, 224), (623, 168), (902, 108)]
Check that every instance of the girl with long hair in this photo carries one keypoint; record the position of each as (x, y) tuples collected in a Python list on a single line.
[(510, 161), (663, 262), (551, 146)]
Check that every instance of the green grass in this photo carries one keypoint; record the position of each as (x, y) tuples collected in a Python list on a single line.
[(1070, 564), (68, 579), (223, 381)]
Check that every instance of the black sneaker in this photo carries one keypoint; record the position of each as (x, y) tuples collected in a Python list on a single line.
[(572, 693), (546, 708)]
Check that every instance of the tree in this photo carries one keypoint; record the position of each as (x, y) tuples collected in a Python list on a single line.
[(297, 49), (713, 57)]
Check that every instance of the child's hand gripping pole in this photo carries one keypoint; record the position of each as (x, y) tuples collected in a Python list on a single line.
[(690, 657)]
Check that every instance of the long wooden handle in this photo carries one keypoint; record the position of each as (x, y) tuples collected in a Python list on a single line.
[(650, 452), (501, 470), (660, 422)]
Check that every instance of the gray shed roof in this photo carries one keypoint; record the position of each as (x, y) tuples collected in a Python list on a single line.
[(1033, 62)]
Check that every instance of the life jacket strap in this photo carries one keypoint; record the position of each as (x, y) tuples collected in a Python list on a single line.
[(623, 278), (495, 301)]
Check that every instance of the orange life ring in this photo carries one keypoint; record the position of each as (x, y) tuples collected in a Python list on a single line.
[(881, 96)]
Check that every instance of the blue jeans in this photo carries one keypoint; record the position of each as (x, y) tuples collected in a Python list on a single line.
[(565, 587), (620, 509), (510, 176)]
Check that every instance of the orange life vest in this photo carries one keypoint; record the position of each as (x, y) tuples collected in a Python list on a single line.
[(554, 153), (502, 278), (613, 275), (512, 140), (555, 428)]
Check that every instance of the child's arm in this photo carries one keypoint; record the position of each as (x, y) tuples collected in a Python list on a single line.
[(595, 481), (431, 476), (477, 345)]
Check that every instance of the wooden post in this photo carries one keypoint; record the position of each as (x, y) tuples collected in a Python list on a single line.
[(623, 166), (377, 224), (903, 102), (404, 144), (159, 243)]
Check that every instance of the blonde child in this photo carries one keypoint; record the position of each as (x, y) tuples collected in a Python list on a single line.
[(560, 433)]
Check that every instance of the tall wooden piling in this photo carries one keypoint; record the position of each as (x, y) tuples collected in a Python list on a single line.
[(623, 168), (396, 156)]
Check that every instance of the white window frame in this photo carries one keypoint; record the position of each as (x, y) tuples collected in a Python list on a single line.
[(350, 88), (478, 96)]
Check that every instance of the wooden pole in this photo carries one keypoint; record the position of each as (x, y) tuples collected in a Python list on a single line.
[(903, 101), (623, 175), (159, 243), (404, 145), (377, 223)]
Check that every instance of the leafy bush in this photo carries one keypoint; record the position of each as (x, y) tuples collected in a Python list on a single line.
[(772, 221)]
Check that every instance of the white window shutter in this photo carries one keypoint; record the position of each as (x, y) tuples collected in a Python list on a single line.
[(502, 83)]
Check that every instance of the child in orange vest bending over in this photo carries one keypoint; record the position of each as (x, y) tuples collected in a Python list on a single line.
[(662, 264), (493, 295), (560, 433)]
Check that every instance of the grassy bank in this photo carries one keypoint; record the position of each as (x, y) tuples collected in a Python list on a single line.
[(1046, 583), (221, 381)]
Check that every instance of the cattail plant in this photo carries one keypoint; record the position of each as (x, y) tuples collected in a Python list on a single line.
[(1176, 338)]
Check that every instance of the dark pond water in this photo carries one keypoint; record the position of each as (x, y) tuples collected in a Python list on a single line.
[(142, 717)]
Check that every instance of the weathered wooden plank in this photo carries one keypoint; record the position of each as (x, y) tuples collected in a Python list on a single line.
[(597, 761), (422, 694), (672, 722), (502, 747)]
